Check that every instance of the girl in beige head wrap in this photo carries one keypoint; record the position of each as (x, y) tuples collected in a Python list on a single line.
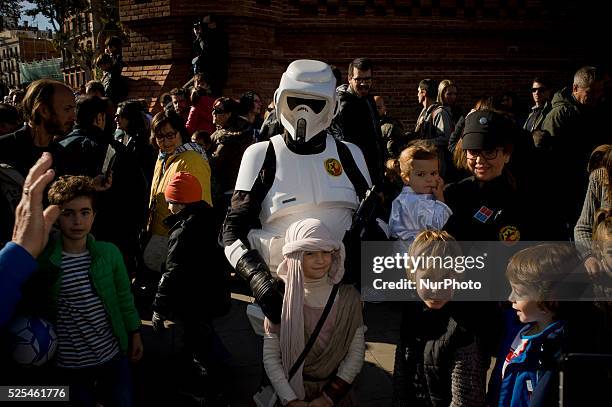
[(313, 262)]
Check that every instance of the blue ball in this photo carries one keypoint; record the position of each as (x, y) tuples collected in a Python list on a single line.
[(33, 341)]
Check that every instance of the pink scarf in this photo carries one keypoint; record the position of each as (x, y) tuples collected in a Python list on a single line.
[(301, 236)]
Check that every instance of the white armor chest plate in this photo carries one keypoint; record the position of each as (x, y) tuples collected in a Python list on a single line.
[(306, 182), (305, 186)]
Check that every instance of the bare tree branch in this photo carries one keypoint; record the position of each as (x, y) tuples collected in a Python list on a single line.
[(57, 10)]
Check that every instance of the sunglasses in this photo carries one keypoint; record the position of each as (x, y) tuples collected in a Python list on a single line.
[(486, 154), (218, 110), (535, 90)]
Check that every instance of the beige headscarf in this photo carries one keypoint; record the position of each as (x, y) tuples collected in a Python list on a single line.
[(301, 236)]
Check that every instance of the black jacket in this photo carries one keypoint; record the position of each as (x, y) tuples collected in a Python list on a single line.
[(18, 150), (508, 219), (536, 117), (270, 127), (572, 131), (429, 340), (359, 122), (211, 55), (490, 212), (17, 154), (393, 136), (83, 151), (115, 86), (194, 284)]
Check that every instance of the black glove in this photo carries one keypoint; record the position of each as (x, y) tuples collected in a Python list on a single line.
[(267, 291), (271, 300)]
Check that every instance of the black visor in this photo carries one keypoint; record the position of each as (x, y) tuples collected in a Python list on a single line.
[(316, 105)]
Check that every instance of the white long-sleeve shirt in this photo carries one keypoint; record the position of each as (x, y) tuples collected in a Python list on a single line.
[(411, 213)]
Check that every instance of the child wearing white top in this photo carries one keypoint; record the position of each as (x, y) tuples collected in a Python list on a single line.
[(420, 206)]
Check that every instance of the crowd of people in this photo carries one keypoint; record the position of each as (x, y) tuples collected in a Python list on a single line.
[(134, 196)]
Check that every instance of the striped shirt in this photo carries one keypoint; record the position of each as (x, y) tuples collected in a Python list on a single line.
[(85, 336)]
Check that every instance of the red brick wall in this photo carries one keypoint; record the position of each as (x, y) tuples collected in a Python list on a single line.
[(485, 46), (131, 10)]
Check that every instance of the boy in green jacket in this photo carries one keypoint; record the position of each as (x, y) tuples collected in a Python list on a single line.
[(83, 286)]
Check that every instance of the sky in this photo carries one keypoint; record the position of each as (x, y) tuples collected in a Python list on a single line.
[(40, 21)]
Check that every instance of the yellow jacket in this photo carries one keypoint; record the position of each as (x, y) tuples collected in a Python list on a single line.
[(189, 161)]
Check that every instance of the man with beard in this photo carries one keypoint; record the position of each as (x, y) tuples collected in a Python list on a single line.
[(358, 119), (48, 110), (49, 113)]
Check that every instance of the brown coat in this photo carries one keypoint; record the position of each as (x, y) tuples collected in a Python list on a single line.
[(229, 145)]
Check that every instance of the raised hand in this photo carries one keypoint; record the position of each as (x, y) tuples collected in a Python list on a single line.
[(438, 191), (32, 224)]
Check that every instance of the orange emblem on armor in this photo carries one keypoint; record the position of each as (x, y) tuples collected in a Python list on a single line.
[(509, 234), (333, 167)]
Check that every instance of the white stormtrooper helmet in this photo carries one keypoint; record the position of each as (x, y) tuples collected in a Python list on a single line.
[(306, 99)]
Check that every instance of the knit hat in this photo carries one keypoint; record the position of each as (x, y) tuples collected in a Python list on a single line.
[(184, 189)]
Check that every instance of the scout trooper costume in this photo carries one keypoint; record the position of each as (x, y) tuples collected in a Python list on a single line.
[(303, 173)]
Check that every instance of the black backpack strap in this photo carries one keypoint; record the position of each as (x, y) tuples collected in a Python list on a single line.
[(352, 170), (268, 169)]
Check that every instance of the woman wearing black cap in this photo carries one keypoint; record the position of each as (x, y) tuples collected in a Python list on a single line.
[(486, 205)]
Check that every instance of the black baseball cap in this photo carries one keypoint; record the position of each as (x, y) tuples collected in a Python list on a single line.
[(485, 130)]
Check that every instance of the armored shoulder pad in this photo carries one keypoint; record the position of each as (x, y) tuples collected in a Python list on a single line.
[(250, 166)]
